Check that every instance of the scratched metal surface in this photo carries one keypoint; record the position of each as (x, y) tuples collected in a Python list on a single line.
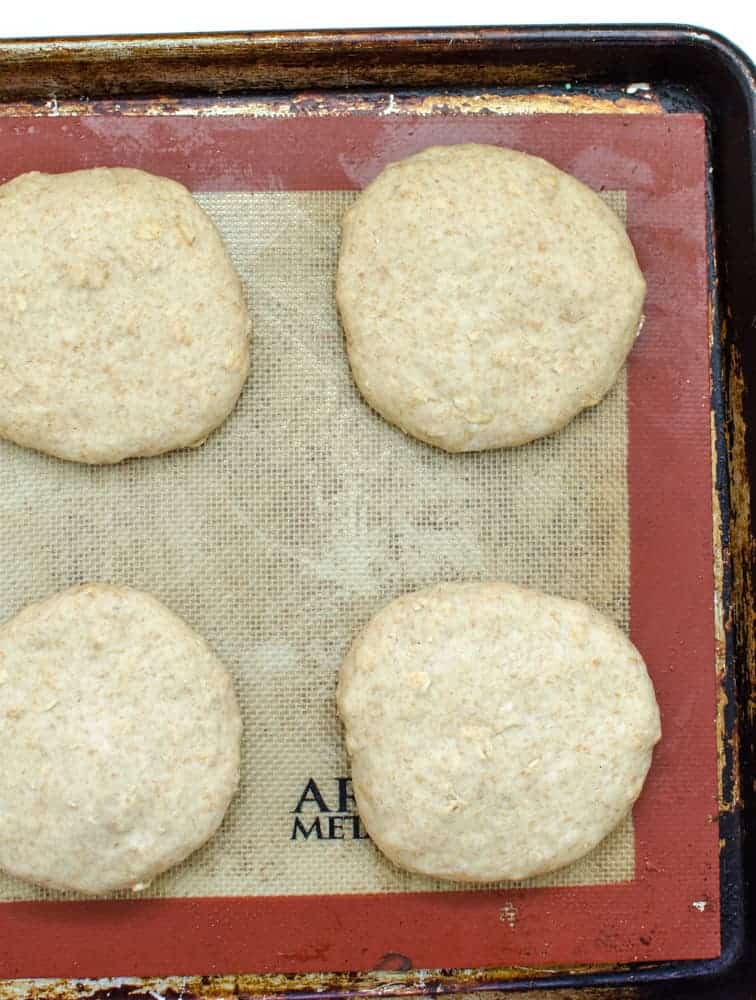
[(396, 978)]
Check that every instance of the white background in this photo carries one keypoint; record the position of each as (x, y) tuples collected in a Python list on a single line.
[(27, 18)]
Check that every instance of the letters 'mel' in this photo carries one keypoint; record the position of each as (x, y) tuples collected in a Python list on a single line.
[(339, 823)]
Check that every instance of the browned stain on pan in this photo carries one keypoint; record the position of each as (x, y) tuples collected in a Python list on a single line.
[(282, 60), (728, 743), (742, 543), (280, 987), (321, 104)]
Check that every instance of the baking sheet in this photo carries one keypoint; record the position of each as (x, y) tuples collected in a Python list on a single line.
[(306, 512)]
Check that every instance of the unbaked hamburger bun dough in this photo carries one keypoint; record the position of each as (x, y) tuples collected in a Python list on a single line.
[(494, 732), (119, 740), (123, 328), (486, 296)]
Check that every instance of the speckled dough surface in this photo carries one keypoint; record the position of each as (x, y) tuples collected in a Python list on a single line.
[(486, 296), (495, 732), (119, 740), (123, 325)]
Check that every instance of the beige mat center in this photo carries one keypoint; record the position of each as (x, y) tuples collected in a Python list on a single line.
[(295, 522)]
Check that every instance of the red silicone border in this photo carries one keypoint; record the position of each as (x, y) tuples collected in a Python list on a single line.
[(660, 160)]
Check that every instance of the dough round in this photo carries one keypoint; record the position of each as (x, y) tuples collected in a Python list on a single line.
[(123, 327), (495, 732), (486, 296), (119, 740)]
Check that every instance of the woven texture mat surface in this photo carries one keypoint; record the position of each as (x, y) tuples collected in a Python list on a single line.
[(290, 527)]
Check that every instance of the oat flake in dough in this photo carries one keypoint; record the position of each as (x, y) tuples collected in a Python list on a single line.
[(123, 325), (494, 732), (119, 740), (486, 296)]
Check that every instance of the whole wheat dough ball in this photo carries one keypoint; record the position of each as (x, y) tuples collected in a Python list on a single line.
[(486, 296), (119, 740), (123, 325), (494, 732)]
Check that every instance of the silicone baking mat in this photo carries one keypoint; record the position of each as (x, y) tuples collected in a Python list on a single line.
[(305, 512)]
